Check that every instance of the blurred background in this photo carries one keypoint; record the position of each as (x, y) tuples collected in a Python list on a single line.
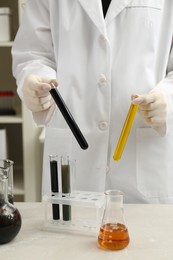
[(19, 137)]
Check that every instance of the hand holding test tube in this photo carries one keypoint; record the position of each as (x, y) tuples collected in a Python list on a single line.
[(125, 132)]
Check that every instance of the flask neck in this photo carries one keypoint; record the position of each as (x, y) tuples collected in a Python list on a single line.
[(114, 198), (6, 169), (113, 212), (3, 190)]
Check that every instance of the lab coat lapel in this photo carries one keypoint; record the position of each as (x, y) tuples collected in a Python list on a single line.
[(94, 10), (116, 6)]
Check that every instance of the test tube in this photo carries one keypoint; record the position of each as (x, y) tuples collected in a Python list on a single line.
[(54, 183), (68, 117), (66, 186), (125, 132)]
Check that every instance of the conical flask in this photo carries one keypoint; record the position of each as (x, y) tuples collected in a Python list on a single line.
[(10, 218), (113, 234)]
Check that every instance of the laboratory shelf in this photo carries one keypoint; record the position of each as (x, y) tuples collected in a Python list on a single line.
[(10, 119), (23, 146), (6, 44)]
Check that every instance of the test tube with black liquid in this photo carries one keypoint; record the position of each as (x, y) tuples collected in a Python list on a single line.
[(68, 117), (66, 187), (54, 183)]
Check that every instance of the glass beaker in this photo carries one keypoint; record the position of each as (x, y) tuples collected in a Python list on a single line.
[(113, 234), (10, 218), (6, 168)]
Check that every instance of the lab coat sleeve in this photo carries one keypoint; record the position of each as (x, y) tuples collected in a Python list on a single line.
[(32, 51), (166, 87)]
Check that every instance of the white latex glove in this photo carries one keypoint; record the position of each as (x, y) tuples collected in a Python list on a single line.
[(153, 110), (36, 93)]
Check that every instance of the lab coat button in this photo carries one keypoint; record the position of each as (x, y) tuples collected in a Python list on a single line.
[(107, 169), (102, 80), (103, 125), (102, 39)]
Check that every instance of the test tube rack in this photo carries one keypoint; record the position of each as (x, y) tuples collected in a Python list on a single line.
[(86, 212)]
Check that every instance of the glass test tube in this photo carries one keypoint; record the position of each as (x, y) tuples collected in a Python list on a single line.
[(125, 132), (66, 185), (54, 183), (68, 117)]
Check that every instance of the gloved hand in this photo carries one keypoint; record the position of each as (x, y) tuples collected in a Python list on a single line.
[(152, 107), (36, 93)]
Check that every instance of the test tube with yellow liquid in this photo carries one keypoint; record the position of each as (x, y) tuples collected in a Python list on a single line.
[(125, 132)]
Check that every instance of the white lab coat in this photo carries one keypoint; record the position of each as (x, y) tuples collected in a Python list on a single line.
[(99, 64)]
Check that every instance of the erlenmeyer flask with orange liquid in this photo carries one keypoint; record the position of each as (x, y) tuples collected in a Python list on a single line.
[(113, 234)]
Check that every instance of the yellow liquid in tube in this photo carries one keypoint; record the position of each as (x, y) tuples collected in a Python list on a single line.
[(125, 132)]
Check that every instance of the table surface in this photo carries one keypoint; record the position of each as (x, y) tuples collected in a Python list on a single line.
[(150, 230)]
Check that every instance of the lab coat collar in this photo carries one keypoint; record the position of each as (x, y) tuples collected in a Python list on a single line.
[(116, 6), (94, 10)]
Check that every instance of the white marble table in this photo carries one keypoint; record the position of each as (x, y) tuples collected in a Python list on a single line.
[(150, 229)]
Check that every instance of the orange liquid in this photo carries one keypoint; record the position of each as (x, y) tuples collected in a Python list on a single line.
[(113, 237)]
